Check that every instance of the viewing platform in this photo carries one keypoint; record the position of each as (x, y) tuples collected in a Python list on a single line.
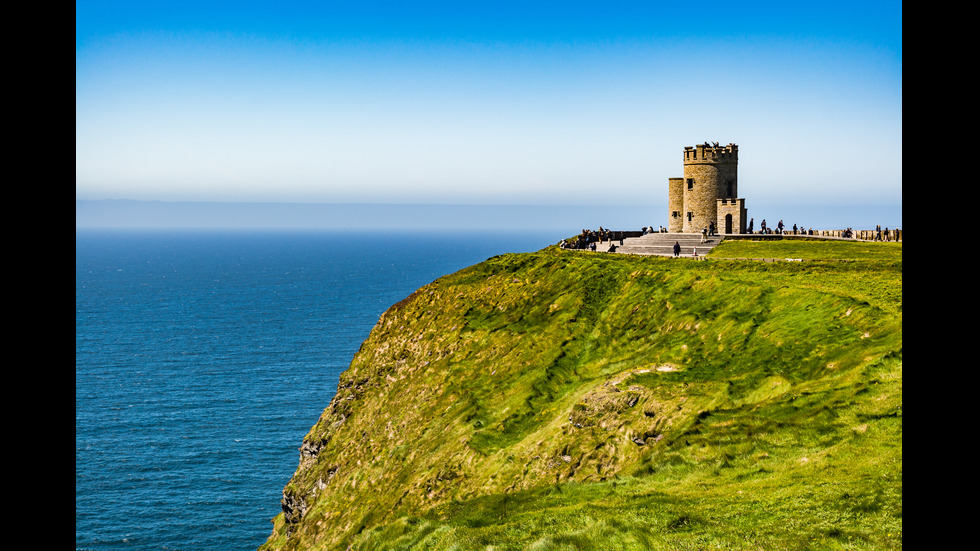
[(662, 244)]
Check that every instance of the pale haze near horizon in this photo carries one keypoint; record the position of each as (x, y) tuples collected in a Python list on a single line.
[(485, 103)]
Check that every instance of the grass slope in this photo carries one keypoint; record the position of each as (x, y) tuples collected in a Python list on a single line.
[(575, 400)]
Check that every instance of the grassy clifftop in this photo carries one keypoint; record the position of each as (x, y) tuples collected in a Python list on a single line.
[(574, 400)]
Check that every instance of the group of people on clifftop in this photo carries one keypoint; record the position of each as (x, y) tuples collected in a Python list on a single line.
[(887, 236), (847, 233), (593, 239), (780, 228)]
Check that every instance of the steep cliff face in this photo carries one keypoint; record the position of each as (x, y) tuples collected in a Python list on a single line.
[(476, 399)]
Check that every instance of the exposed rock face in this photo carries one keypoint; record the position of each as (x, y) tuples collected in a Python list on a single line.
[(293, 507)]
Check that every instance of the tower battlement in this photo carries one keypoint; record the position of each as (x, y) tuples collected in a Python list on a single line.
[(710, 152)]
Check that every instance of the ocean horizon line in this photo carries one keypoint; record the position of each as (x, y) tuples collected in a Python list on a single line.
[(133, 213)]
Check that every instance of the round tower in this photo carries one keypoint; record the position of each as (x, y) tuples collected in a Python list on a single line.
[(710, 174)]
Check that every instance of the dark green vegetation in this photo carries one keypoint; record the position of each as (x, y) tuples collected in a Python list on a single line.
[(576, 400)]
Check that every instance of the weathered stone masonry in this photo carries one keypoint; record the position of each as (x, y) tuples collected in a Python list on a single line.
[(708, 192)]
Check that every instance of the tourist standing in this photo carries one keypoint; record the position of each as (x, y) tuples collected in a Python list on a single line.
[(677, 248)]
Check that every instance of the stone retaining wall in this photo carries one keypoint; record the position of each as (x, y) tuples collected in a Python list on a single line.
[(866, 235)]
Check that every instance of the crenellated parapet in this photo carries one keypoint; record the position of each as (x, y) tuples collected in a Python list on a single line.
[(711, 153)]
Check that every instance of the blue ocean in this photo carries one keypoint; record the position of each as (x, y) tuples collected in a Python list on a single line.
[(202, 358)]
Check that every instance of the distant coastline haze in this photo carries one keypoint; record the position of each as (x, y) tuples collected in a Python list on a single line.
[(564, 220)]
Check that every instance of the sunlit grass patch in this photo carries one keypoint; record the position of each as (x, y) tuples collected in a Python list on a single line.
[(808, 249), (585, 401)]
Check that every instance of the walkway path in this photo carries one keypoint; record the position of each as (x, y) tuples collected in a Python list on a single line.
[(662, 244)]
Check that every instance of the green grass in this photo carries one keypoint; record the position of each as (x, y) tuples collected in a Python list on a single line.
[(573, 400), (808, 249)]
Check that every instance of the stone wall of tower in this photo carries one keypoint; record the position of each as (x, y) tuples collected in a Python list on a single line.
[(735, 209), (710, 176), (675, 205)]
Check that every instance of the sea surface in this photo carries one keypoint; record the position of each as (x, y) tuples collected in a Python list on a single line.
[(202, 358)]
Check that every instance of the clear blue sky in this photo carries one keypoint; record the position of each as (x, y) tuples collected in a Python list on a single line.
[(484, 102)]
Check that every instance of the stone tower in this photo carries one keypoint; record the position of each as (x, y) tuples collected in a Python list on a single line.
[(708, 191)]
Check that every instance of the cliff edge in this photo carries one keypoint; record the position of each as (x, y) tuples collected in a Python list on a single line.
[(560, 400)]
